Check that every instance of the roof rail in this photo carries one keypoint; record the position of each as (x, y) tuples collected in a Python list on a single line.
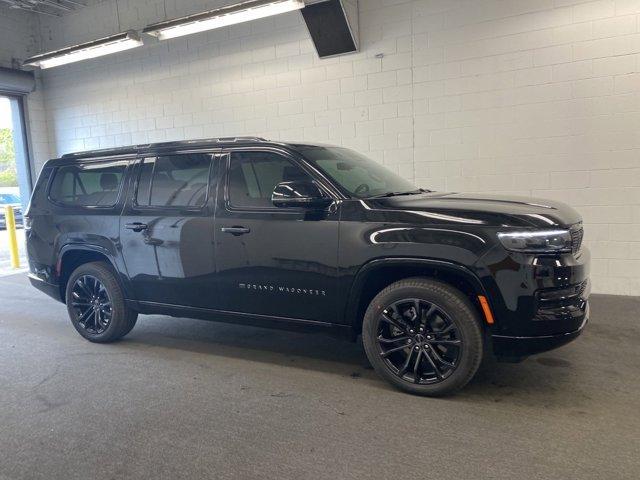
[(146, 146), (241, 139)]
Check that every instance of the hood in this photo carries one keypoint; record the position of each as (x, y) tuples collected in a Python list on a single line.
[(482, 210)]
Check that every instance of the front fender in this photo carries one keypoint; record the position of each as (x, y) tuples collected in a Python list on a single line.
[(415, 263)]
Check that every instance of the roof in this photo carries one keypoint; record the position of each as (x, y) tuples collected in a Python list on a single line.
[(184, 144)]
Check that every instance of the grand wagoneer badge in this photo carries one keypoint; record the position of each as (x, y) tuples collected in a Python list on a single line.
[(282, 289)]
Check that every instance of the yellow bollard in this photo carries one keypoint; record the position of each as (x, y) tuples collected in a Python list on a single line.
[(13, 241)]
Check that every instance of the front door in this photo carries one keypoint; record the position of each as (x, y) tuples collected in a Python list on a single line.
[(167, 230), (273, 261)]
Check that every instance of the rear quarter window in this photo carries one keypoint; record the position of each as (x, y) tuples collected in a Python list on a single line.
[(88, 185)]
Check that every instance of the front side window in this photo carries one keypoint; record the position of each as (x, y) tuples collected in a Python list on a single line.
[(88, 185), (254, 175), (357, 174), (174, 181)]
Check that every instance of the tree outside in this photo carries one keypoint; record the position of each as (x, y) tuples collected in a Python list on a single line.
[(8, 171)]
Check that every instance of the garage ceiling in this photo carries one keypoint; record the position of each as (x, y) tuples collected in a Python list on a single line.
[(45, 7)]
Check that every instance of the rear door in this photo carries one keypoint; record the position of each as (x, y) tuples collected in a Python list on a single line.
[(167, 230)]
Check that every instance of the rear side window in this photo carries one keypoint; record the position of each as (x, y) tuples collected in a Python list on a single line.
[(89, 184), (174, 181)]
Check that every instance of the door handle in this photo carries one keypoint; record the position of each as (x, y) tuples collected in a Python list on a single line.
[(136, 226), (235, 230)]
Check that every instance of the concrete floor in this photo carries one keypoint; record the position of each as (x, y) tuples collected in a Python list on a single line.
[(192, 399)]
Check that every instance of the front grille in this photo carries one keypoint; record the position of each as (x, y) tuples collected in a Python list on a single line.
[(565, 301), (576, 238), (556, 294)]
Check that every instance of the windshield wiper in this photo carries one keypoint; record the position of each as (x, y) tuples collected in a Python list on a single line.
[(397, 194)]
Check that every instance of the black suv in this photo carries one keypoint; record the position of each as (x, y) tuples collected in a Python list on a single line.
[(310, 237)]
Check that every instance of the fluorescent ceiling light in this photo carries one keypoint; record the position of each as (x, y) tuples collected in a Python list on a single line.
[(222, 17), (84, 51)]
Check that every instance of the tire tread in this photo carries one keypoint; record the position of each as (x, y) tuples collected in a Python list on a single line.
[(460, 303), (123, 319)]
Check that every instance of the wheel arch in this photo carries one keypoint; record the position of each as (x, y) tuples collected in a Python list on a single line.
[(71, 256), (377, 274)]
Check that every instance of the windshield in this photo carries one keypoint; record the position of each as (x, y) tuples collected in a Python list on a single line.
[(7, 198), (360, 176)]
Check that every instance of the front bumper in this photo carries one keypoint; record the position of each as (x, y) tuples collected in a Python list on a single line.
[(521, 347), (539, 302)]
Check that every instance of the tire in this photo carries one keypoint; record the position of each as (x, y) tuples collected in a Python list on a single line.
[(451, 331), (94, 286)]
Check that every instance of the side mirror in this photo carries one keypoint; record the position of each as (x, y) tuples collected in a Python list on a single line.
[(299, 194)]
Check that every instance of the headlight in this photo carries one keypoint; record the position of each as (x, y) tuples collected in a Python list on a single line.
[(537, 241)]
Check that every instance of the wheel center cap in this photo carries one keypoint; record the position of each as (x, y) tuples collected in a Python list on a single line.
[(420, 338)]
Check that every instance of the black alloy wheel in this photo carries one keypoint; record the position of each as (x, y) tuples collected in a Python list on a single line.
[(96, 303), (92, 304), (423, 336), (418, 341)]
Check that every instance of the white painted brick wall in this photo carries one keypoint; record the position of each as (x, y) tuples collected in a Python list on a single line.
[(535, 97), (38, 129)]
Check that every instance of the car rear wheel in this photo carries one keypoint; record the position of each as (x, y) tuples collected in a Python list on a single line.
[(423, 336), (96, 304)]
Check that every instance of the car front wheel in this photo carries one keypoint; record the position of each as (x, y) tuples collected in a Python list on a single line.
[(423, 336)]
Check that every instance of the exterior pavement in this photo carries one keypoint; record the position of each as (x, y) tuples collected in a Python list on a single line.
[(5, 256), (192, 399)]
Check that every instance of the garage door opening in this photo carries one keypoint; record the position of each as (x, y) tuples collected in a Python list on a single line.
[(15, 178)]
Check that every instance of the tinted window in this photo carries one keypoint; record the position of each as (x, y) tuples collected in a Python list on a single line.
[(88, 185), (174, 181), (359, 175), (254, 175)]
